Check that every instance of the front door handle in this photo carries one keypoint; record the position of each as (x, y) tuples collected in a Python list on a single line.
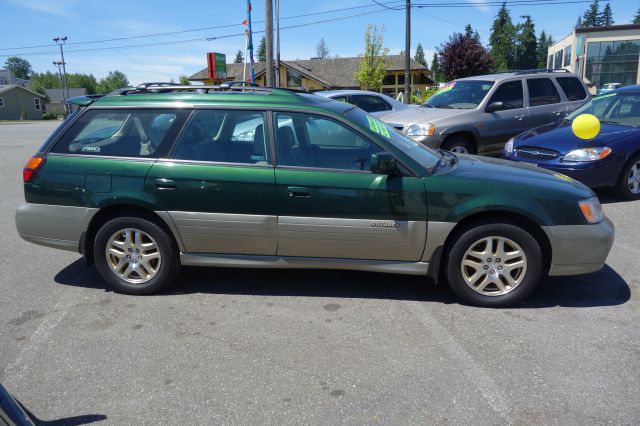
[(518, 117), (298, 191), (165, 184), (558, 113)]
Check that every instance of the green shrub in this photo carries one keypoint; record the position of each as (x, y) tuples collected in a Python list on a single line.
[(421, 97), (49, 116)]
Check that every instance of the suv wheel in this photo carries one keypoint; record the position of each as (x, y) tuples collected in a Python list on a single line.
[(458, 144), (629, 183), (494, 265), (135, 256)]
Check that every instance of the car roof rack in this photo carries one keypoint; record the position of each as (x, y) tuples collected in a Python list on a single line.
[(227, 86), (540, 70)]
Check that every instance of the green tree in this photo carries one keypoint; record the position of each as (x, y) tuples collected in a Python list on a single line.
[(21, 68), (322, 51), (261, 53), (636, 17), (502, 40), (115, 80), (239, 57), (184, 80), (419, 56), (435, 69), (606, 19), (373, 65), (579, 23), (591, 17), (526, 56), (463, 56), (542, 50), (470, 32), (49, 80)]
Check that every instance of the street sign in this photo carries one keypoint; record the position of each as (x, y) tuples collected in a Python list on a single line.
[(217, 66)]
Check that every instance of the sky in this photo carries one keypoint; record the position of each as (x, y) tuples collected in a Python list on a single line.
[(29, 26)]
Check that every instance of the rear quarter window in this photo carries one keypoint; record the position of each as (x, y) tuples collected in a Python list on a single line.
[(572, 88), (122, 133)]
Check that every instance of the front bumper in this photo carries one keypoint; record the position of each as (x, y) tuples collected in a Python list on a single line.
[(579, 249), (53, 226), (430, 141)]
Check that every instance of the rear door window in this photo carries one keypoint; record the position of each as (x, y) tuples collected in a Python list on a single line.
[(370, 103), (572, 88), (225, 136), (122, 133), (542, 91), (510, 94)]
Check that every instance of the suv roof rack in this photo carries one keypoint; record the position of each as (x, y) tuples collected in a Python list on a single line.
[(540, 70), (227, 86)]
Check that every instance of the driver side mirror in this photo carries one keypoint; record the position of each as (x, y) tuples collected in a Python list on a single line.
[(495, 106), (383, 163)]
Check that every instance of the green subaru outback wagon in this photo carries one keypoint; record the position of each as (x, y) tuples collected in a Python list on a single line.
[(157, 177)]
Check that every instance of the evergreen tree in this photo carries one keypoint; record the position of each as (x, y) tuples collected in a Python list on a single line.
[(419, 56), (636, 17), (502, 39), (261, 53), (239, 57), (607, 16), (435, 69), (526, 45), (579, 23), (542, 50), (591, 17)]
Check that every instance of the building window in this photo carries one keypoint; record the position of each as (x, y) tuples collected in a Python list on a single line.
[(389, 80), (567, 56), (294, 79), (1, 102), (36, 103), (557, 60), (400, 79), (613, 62)]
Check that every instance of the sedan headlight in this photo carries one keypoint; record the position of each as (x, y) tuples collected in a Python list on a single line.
[(508, 147), (587, 154), (591, 209), (421, 130)]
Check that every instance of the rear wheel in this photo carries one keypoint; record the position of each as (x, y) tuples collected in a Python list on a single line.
[(494, 265), (629, 184), (135, 255), (458, 144)]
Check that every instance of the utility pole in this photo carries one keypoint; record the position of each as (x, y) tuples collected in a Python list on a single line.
[(407, 54), (269, 41), (64, 98), (277, 43), (60, 41)]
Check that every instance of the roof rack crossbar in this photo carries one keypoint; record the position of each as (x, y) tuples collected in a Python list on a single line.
[(541, 70), (228, 86)]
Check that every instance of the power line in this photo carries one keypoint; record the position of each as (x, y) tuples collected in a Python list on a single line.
[(200, 29)]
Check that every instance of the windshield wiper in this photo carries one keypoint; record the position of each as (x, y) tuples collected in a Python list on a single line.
[(444, 107)]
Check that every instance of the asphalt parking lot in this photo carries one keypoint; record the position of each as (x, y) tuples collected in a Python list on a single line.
[(232, 346)]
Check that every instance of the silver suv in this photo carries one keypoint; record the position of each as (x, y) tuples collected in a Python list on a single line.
[(479, 114)]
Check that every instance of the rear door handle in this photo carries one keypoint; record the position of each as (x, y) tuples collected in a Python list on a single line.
[(558, 113), (165, 184), (518, 117), (298, 191)]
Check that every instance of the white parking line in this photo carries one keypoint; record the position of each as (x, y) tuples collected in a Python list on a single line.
[(489, 389)]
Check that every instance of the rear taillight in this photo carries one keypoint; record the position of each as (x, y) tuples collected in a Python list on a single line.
[(34, 164)]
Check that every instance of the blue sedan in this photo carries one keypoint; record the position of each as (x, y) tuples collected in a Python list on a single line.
[(611, 159)]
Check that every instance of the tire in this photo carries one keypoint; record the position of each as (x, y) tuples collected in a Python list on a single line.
[(501, 287), (458, 144), (123, 236), (628, 186)]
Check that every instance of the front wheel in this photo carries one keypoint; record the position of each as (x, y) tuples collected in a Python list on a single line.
[(629, 182), (135, 255), (494, 265), (458, 144)]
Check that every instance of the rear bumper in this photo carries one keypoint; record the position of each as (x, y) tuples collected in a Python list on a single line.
[(579, 249), (53, 226)]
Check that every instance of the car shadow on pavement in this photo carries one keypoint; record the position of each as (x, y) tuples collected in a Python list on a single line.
[(603, 288), (608, 196)]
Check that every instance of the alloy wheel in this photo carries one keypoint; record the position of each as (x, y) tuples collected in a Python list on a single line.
[(494, 266), (633, 178), (133, 256)]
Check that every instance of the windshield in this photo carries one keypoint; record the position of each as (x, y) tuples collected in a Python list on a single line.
[(466, 94), (426, 157), (618, 108)]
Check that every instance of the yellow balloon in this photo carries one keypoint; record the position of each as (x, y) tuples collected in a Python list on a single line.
[(586, 126)]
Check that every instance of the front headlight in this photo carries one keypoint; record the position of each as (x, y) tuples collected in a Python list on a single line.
[(587, 154), (421, 130), (591, 209), (508, 147)]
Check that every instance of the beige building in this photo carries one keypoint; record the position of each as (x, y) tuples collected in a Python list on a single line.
[(600, 55), (330, 74)]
